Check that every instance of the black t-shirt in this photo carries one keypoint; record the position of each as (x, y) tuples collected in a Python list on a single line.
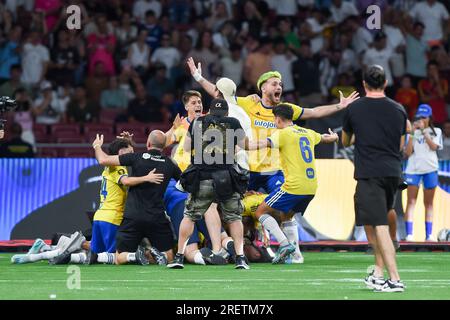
[(217, 138), (16, 148), (147, 198), (145, 111), (378, 125)]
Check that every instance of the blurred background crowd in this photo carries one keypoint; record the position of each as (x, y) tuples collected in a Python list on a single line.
[(126, 67)]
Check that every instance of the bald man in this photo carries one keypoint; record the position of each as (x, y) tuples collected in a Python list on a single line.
[(144, 215)]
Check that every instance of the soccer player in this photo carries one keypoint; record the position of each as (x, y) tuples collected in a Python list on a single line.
[(296, 150), (265, 170)]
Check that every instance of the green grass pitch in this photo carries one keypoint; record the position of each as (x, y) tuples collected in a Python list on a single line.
[(322, 276)]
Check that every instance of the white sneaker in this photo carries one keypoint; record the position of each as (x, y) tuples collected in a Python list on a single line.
[(409, 238), (430, 239)]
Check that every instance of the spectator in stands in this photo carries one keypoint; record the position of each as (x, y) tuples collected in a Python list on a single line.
[(141, 7), (287, 8), (362, 38), (113, 97), (224, 37), (349, 61), (23, 115), (307, 77), (395, 41), (9, 53), (407, 96), (434, 90), (9, 87), (438, 54), (166, 54), (81, 109), (329, 70), (290, 37), (154, 30), (340, 10), (232, 66), (97, 82), (218, 17), (416, 54), (180, 11), (159, 84), (144, 108), (317, 24), (258, 62), (50, 10), (126, 32), (444, 154), (205, 53), (380, 54), (139, 54), (35, 59), (434, 16), (16, 147), (101, 46), (48, 108), (251, 22), (344, 85), (64, 61), (282, 62)]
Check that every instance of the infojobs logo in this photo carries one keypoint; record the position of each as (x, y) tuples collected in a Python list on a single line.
[(374, 20)]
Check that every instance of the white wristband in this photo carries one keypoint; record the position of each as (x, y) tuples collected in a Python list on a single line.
[(197, 76)]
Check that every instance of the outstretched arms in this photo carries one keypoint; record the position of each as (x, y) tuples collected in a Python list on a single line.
[(323, 111)]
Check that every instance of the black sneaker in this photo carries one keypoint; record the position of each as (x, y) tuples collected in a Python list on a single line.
[(91, 257), (211, 258), (241, 263), (231, 251), (159, 257), (369, 249), (178, 262), (391, 286), (63, 258), (396, 245), (141, 258)]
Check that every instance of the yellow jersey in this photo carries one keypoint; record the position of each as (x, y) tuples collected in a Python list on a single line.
[(181, 157), (296, 147), (251, 203), (263, 125), (112, 196)]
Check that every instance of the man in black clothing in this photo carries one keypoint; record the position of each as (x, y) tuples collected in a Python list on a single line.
[(377, 127), (144, 215), (15, 147), (212, 141)]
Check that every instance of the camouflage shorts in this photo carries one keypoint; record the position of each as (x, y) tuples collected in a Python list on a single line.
[(231, 209)]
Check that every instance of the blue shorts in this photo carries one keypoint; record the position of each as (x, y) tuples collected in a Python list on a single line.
[(285, 202), (267, 181), (176, 215), (430, 180), (103, 237)]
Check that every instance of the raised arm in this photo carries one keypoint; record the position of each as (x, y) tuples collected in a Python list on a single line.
[(324, 111), (255, 145), (196, 72), (102, 158), (170, 134)]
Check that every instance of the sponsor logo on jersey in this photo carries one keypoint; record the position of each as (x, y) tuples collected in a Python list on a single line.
[(264, 124)]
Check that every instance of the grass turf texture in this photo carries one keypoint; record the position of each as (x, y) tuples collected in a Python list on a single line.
[(323, 276)]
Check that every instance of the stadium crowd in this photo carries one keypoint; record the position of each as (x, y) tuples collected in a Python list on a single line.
[(127, 64)]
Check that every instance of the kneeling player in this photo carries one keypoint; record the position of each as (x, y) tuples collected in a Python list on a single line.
[(296, 149)]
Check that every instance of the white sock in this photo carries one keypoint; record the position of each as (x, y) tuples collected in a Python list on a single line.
[(198, 258), (43, 255), (131, 257), (107, 258), (291, 231), (79, 258), (271, 225)]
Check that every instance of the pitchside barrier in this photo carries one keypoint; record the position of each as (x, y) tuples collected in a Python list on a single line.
[(39, 197)]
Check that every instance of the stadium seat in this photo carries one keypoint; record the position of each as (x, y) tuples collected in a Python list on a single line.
[(70, 139), (40, 133), (93, 128), (163, 126), (109, 116), (87, 152), (47, 152), (57, 129), (107, 137), (134, 128)]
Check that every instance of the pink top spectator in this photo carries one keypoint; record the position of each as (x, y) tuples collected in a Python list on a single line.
[(101, 53), (48, 6)]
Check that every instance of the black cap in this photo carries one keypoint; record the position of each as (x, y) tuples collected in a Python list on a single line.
[(218, 107)]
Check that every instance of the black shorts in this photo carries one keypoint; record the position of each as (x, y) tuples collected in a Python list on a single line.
[(374, 197), (157, 230)]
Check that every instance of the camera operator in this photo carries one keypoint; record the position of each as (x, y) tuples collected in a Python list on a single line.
[(213, 176)]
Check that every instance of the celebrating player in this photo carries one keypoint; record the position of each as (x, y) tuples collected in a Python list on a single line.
[(296, 150), (264, 164)]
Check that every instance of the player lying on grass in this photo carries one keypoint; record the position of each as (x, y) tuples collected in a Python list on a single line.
[(296, 150)]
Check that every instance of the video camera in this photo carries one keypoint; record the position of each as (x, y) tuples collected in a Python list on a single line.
[(6, 104)]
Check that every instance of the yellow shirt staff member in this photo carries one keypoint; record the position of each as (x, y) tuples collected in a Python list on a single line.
[(264, 164), (296, 149)]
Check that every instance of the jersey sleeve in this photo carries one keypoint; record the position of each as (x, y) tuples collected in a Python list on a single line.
[(128, 159), (245, 103), (315, 136), (298, 111), (119, 173), (276, 139)]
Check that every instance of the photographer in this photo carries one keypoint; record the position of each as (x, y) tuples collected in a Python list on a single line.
[(16, 147), (211, 177), (422, 167)]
